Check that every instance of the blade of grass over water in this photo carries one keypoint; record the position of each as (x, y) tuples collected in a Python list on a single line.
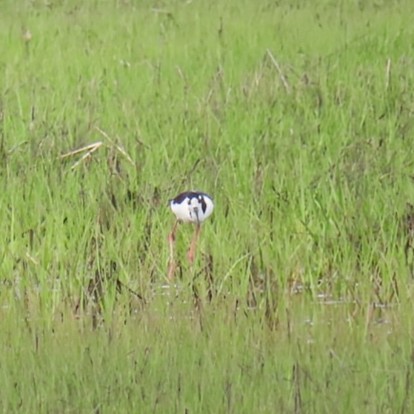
[(296, 117)]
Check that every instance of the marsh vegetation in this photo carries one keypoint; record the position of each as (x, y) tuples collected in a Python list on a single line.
[(296, 116)]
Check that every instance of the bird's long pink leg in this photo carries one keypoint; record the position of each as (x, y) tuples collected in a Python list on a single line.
[(171, 263), (193, 247)]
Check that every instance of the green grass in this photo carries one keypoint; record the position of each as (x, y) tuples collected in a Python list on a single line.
[(297, 117)]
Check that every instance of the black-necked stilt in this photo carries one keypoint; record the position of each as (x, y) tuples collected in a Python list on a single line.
[(189, 207)]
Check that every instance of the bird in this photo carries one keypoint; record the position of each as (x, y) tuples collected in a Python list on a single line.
[(188, 207)]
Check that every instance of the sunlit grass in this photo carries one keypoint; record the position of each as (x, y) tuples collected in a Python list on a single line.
[(296, 118)]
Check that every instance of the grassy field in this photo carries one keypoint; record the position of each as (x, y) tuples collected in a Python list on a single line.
[(296, 116)]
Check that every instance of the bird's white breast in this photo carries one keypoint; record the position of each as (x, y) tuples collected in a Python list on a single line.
[(193, 209)]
